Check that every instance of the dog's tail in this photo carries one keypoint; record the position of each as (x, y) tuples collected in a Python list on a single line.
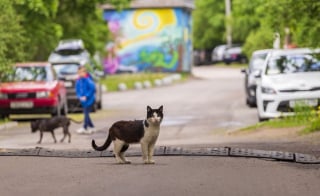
[(78, 122), (104, 146)]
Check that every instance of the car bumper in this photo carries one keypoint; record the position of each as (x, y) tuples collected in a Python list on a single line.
[(28, 106), (282, 104)]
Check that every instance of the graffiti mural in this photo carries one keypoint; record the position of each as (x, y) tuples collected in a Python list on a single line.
[(148, 40)]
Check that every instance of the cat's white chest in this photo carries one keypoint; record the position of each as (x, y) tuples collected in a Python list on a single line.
[(151, 134)]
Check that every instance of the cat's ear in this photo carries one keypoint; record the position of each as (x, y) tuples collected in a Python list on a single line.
[(161, 108), (149, 109)]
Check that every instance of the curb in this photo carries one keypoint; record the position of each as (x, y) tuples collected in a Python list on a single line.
[(146, 84), (169, 151)]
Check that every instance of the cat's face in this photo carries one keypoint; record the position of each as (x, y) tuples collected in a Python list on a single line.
[(155, 116)]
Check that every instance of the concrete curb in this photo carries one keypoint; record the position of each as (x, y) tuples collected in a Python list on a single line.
[(169, 151), (139, 85)]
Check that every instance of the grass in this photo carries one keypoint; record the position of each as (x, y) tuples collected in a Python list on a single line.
[(306, 117), (112, 81)]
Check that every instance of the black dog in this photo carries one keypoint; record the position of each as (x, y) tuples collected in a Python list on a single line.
[(50, 124)]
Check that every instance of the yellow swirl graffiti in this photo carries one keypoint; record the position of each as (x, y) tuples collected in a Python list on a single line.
[(150, 22)]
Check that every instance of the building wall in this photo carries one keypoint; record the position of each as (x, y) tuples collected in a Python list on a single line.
[(149, 39)]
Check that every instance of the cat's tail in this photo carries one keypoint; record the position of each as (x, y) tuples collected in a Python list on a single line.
[(104, 146)]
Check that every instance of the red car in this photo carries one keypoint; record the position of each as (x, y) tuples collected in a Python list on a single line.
[(33, 88)]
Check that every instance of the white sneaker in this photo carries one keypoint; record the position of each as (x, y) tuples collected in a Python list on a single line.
[(88, 131), (81, 130), (92, 129)]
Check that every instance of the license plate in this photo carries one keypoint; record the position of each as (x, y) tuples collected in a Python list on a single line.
[(307, 102), (22, 104), (68, 84)]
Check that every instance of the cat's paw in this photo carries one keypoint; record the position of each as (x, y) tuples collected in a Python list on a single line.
[(149, 162), (152, 162), (127, 162)]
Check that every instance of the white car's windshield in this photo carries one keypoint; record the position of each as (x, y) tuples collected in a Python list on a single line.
[(66, 68), (293, 63)]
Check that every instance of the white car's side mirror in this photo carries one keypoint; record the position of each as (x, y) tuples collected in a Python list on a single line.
[(257, 73)]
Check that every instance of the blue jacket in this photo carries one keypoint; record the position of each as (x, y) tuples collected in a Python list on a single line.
[(85, 86)]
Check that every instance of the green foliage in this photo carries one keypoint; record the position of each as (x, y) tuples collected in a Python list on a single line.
[(208, 24), (305, 116), (112, 81), (255, 22), (11, 37), (41, 32), (262, 38), (81, 19)]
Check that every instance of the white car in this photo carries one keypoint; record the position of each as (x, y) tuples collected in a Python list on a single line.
[(288, 77), (250, 81)]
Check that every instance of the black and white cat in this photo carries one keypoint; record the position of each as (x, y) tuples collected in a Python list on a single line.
[(145, 132)]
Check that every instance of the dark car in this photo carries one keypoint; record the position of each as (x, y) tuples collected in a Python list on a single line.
[(255, 65), (234, 54), (67, 72), (33, 88)]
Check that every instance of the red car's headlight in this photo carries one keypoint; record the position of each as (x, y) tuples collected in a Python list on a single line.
[(44, 94)]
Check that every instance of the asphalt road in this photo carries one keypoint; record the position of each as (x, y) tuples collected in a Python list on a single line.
[(196, 111), (174, 176)]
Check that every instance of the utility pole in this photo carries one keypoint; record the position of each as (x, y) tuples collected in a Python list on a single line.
[(228, 22)]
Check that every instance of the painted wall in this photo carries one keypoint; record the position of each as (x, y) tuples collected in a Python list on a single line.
[(149, 39)]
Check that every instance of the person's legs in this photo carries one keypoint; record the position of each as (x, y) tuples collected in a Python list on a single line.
[(88, 125), (86, 121), (89, 121)]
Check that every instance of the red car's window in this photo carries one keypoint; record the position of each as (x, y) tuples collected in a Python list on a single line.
[(29, 74)]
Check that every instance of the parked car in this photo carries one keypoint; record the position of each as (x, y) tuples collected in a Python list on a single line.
[(66, 58), (234, 54), (201, 57), (67, 72), (289, 77), (70, 50), (33, 88), (217, 53), (254, 67)]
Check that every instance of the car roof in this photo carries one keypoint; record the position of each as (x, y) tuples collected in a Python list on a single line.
[(262, 51), (70, 44), (278, 52), (32, 64)]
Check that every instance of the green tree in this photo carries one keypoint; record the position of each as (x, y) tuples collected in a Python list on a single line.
[(30, 30), (83, 19), (208, 23), (41, 31), (11, 37)]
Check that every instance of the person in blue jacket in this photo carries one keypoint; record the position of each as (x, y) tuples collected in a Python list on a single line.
[(86, 90)]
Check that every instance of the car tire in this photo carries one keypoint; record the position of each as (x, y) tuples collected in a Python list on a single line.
[(262, 119), (94, 107), (64, 109), (4, 116), (250, 103), (57, 110), (99, 105)]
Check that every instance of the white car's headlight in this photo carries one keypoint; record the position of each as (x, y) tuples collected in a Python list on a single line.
[(43, 94), (268, 90), (3, 96)]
